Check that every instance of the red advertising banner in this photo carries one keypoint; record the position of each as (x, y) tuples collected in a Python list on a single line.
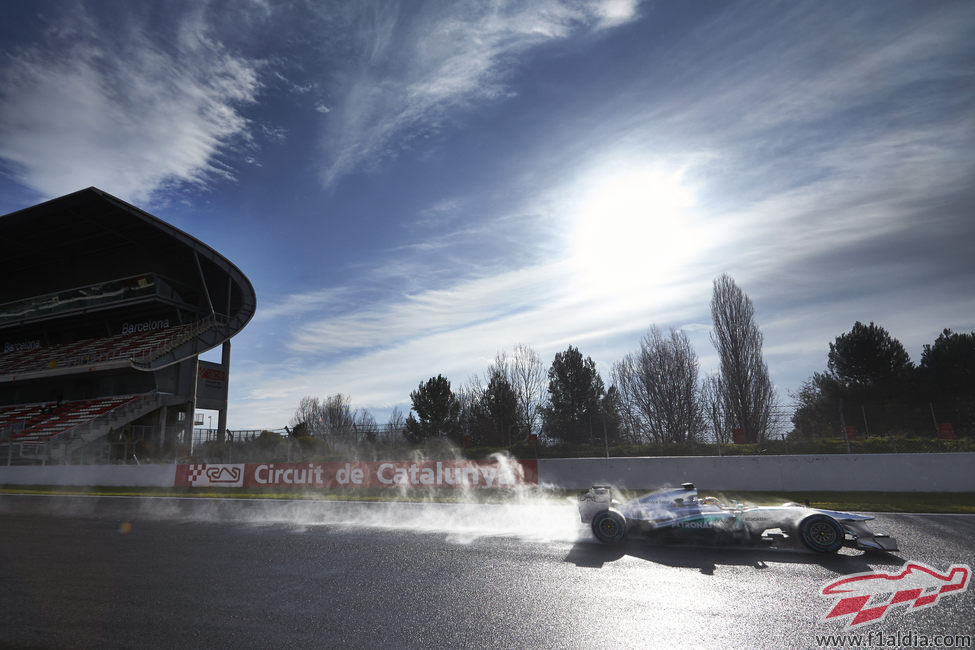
[(213, 374), (484, 474)]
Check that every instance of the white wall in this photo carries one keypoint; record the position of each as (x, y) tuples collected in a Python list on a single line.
[(834, 472), (90, 475)]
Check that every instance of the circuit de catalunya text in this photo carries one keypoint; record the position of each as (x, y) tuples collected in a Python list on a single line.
[(490, 474)]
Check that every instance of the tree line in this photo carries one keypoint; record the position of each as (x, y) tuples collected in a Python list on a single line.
[(656, 395), (871, 386)]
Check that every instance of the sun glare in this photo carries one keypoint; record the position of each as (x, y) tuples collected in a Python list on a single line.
[(630, 230)]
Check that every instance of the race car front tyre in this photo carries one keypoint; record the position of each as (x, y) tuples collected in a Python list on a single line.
[(821, 533), (609, 526)]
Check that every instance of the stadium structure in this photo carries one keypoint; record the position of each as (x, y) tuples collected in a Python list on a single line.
[(104, 311)]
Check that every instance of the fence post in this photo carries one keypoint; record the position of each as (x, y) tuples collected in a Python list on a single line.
[(846, 436)]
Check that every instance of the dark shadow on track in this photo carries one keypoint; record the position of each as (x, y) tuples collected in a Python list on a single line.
[(706, 558)]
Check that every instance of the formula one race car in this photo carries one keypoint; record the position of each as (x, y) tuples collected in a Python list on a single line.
[(679, 514)]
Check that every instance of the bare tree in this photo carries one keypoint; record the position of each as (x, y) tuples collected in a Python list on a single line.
[(634, 397), (658, 388), (711, 392), (527, 376), (747, 396), (364, 428), (332, 419), (396, 424), (339, 418), (500, 365), (481, 397), (309, 416)]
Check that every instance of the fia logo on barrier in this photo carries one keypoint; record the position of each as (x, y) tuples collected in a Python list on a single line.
[(867, 597)]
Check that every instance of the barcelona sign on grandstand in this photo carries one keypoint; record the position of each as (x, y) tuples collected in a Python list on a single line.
[(488, 474)]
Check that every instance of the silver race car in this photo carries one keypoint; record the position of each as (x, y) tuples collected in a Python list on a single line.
[(679, 513)]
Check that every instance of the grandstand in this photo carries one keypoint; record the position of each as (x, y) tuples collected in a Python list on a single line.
[(104, 311)]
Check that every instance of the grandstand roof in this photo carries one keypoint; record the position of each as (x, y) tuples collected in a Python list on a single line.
[(90, 236)]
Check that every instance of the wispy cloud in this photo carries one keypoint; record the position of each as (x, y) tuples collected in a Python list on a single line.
[(460, 306), (300, 304), (417, 70), (124, 113)]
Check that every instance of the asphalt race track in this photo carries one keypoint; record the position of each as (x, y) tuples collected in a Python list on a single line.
[(133, 572)]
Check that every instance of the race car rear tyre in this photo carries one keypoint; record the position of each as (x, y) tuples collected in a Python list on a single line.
[(821, 533), (609, 526)]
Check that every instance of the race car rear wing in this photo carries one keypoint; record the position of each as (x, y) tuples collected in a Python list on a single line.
[(595, 499)]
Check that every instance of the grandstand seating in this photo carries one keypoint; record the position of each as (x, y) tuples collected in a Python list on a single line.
[(137, 346), (109, 322), (37, 422)]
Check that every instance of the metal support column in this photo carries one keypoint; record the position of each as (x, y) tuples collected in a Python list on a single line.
[(222, 413)]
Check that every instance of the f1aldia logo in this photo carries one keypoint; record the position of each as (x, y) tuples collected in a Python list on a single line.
[(867, 597)]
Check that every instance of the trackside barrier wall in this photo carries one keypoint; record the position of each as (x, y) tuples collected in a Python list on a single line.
[(90, 475), (854, 472), (391, 474), (486, 474), (953, 472)]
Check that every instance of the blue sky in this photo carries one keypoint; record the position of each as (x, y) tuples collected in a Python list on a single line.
[(413, 187)]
